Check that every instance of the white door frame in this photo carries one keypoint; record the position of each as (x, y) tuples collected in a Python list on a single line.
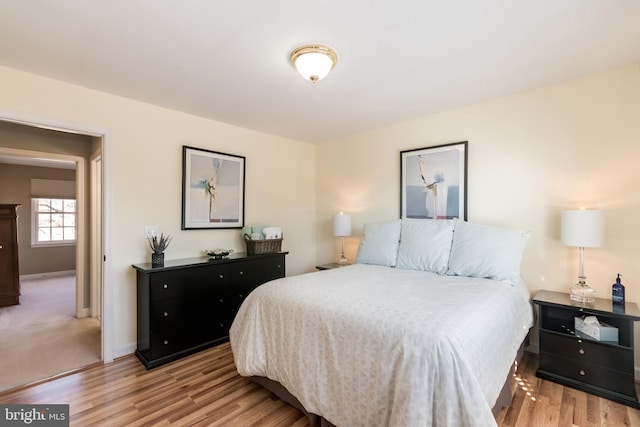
[(95, 251), (105, 135)]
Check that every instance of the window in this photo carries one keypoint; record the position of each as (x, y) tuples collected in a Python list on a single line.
[(54, 221)]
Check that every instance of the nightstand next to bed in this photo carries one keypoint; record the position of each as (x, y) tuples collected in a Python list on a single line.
[(330, 266), (597, 367)]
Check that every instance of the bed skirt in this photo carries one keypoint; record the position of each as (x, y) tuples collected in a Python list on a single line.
[(504, 399)]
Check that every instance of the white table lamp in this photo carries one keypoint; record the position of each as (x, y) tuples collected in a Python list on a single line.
[(342, 228), (582, 228)]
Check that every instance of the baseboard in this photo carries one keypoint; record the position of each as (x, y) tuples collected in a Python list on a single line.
[(124, 350), (47, 275)]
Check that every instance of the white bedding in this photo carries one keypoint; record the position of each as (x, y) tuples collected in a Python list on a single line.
[(366, 345)]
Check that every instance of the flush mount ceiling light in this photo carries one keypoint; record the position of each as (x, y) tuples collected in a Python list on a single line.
[(314, 61)]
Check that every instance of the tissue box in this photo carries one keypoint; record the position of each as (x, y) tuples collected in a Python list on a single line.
[(601, 332)]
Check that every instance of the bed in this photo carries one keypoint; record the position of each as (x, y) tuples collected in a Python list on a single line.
[(401, 338)]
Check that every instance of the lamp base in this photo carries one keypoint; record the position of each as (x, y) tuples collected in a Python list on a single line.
[(581, 292), (342, 260)]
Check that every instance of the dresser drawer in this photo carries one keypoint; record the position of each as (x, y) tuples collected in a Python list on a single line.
[(180, 283), (165, 285), (581, 350), (169, 315), (257, 271), (589, 374), (206, 319), (166, 343)]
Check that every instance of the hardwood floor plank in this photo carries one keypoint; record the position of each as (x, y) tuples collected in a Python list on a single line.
[(613, 414), (547, 411), (634, 417), (579, 401), (205, 389), (593, 410)]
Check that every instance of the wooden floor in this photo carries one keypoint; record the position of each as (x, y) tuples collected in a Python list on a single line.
[(205, 390)]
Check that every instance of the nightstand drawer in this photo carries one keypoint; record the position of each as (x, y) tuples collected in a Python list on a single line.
[(585, 351), (589, 374)]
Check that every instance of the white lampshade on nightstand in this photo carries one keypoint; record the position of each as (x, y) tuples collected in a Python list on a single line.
[(582, 228), (342, 228)]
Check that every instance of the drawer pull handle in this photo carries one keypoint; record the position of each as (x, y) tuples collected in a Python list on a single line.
[(166, 342), (241, 273), (582, 373), (166, 314), (221, 300), (581, 351), (221, 325), (165, 286), (222, 276)]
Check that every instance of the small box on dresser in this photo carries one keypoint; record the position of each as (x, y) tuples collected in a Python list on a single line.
[(601, 368)]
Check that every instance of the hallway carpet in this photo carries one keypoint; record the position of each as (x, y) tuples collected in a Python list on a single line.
[(41, 337)]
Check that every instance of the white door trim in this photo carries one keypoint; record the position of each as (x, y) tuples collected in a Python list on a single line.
[(105, 135), (95, 252)]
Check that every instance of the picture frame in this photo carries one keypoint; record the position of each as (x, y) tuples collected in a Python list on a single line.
[(213, 185), (433, 182)]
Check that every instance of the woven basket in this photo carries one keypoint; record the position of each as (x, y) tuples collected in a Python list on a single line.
[(256, 247)]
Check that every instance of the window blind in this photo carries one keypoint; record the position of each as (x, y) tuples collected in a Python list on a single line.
[(51, 188)]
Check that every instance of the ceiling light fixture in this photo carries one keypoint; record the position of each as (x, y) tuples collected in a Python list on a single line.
[(314, 61)]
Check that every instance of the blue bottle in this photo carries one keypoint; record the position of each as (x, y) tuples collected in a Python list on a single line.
[(617, 292)]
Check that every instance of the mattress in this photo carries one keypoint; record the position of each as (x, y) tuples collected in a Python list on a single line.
[(367, 345)]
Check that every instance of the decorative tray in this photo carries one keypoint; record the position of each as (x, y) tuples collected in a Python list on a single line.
[(218, 253)]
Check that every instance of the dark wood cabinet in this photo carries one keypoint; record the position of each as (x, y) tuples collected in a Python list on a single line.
[(9, 272), (188, 305), (575, 360)]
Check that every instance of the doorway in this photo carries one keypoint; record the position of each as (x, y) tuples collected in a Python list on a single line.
[(93, 264)]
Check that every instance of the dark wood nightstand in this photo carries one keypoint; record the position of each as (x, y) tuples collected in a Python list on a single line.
[(601, 368), (330, 266)]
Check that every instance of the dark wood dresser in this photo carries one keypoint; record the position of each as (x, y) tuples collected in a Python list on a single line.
[(575, 360), (189, 304), (9, 272)]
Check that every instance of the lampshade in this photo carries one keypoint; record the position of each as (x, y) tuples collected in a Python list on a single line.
[(314, 61), (582, 228), (342, 225)]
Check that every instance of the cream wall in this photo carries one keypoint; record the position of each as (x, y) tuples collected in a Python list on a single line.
[(530, 156), (146, 168)]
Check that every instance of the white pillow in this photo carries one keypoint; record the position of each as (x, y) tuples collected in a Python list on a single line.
[(425, 244), (379, 244), (486, 251)]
